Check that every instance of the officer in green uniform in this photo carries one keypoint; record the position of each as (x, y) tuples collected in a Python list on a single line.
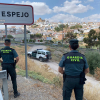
[(8, 54), (74, 67)]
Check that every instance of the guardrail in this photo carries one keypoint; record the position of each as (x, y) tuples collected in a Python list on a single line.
[(3, 76)]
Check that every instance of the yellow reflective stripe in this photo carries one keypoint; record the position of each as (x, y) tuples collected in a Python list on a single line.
[(71, 59), (78, 60), (68, 57), (6, 51), (74, 58), (81, 57), (78, 57)]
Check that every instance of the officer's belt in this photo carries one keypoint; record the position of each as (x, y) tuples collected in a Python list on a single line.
[(7, 63), (68, 76)]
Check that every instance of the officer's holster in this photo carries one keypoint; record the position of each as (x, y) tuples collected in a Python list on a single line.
[(64, 77), (82, 78)]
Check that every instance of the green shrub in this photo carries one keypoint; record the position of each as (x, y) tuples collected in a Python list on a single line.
[(30, 40), (22, 41), (93, 60), (34, 40), (27, 40), (41, 40), (27, 31), (66, 46), (51, 41), (10, 36)]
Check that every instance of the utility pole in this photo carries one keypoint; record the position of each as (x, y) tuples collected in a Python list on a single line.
[(62, 36)]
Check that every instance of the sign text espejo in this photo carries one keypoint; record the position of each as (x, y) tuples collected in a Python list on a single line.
[(15, 14)]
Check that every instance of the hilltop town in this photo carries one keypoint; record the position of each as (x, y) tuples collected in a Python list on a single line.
[(47, 29)]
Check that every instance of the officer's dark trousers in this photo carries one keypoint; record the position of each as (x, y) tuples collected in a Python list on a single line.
[(69, 85), (11, 70)]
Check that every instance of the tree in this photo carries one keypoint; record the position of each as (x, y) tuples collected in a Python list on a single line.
[(98, 42), (66, 26), (70, 36), (76, 26), (57, 29), (10, 36), (38, 35), (99, 27), (32, 36), (90, 40), (27, 31), (60, 28)]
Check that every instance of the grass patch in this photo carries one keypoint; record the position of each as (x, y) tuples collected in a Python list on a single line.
[(19, 46), (39, 77)]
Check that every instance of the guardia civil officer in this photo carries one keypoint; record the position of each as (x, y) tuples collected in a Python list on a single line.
[(8, 54), (73, 66)]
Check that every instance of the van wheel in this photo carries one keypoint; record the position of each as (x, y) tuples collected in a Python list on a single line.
[(41, 59), (29, 55)]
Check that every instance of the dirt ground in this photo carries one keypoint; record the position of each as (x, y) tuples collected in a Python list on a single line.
[(31, 89)]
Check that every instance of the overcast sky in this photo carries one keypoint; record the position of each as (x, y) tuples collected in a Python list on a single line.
[(63, 10)]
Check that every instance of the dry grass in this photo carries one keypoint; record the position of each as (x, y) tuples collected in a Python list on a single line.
[(49, 49), (97, 74), (32, 66), (92, 92)]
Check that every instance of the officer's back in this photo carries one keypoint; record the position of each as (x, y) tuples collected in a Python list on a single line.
[(76, 67), (8, 54)]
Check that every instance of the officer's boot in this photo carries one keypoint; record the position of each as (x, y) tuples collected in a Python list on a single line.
[(16, 95)]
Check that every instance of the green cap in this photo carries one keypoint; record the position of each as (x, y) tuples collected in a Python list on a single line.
[(73, 41), (7, 40)]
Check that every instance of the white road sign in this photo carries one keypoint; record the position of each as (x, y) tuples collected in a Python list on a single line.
[(16, 14)]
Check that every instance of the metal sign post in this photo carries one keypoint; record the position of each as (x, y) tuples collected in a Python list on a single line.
[(6, 31), (25, 41)]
